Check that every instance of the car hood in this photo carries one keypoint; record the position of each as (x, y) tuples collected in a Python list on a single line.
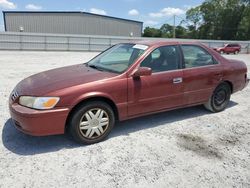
[(46, 82)]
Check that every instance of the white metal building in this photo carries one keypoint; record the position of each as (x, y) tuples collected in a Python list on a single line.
[(82, 23)]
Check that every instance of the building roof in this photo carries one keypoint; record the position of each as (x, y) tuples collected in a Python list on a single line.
[(70, 12)]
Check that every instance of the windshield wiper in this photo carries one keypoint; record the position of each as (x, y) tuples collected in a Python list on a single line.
[(101, 68), (95, 67)]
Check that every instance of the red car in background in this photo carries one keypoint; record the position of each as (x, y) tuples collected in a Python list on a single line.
[(126, 81), (229, 48)]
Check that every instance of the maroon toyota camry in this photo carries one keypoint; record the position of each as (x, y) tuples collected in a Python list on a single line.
[(125, 81)]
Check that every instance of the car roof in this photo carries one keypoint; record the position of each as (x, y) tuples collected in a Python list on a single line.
[(151, 43), (233, 44)]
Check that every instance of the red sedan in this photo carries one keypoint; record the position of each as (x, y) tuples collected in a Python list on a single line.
[(125, 81)]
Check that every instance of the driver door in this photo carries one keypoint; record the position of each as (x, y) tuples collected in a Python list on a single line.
[(161, 90)]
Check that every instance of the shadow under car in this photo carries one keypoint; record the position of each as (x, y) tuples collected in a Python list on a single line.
[(22, 144)]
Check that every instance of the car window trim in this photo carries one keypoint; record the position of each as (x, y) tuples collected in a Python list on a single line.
[(201, 67), (166, 72), (181, 69)]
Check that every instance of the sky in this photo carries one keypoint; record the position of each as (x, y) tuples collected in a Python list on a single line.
[(153, 13)]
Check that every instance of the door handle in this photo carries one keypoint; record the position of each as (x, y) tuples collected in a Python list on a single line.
[(177, 80)]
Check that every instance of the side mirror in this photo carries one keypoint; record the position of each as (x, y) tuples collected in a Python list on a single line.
[(142, 71)]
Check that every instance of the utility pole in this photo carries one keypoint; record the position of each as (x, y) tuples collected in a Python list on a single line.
[(174, 28)]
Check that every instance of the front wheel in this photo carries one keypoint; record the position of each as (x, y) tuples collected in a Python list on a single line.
[(91, 122), (219, 99)]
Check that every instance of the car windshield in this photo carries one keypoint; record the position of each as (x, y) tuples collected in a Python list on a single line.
[(117, 58)]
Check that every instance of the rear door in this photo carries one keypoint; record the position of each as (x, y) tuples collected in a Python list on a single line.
[(235, 48), (230, 48), (201, 74), (161, 90)]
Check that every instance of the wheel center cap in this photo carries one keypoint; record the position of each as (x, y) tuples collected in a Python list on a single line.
[(95, 122)]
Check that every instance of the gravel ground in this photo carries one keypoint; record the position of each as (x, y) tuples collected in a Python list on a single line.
[(183, 148)]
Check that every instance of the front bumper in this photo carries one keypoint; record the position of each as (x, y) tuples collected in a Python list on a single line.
[(38, 122)]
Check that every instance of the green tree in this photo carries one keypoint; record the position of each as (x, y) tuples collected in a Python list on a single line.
[(167, 31), (152, 32), (213, 19), (181, 32), (243, 32), (219, 19), (194, 18)]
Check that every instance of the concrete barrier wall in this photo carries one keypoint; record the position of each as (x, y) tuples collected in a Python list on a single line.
[(54, 42)]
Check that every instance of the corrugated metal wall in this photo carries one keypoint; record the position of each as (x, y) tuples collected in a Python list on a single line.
[(71, 23)]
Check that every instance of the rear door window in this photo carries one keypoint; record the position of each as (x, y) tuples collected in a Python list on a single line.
[(195, 56)]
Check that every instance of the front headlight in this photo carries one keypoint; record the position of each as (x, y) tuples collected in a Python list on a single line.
[(40, 103)]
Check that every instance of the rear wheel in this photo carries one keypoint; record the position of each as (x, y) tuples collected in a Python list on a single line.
[(219, 99), (236, 52), (91, 122)]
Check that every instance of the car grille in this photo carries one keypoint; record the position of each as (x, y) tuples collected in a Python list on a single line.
[(14, 95)]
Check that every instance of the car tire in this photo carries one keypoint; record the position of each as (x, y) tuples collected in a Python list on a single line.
[(219, 99), (91, 122), (236, 52)]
